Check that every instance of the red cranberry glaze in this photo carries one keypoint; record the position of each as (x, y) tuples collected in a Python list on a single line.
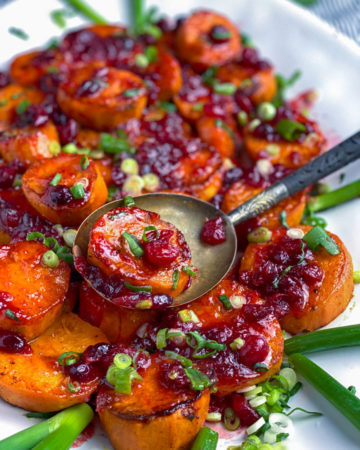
[(244, 411), (11, 342), (159, 251), (213, 231), (293, 288)]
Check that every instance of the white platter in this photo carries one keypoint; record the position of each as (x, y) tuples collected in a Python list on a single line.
[(292, 39)]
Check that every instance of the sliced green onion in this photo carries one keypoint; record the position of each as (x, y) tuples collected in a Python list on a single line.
[(198, 380), (282, 85), (356, 276), (202, 343), (73, 387), (185, 362), (69, 358), (290, 376), (55, 180), (337, 394), (256, 426), (50, 259), (260, 367), (70, 422), (317, 237), (18, 32), (221, 124), (320, 340), (206, 439), (224, 88), (58, 16), (84, 162), (188, 315), (189, 271), (198, 106), (77, 191), (237, 344), (69, 237), (23, 106), (114, 145), (54, 147), (141, 60), (231, 420), (289, 129), (131, 93), (122, 360), (87, 11), (151, 53), (149, 228), (11, 315), (134, 244), (130, 166), (65, 253), (259, 235), (225, 301), (213, 417), (175, 279), (208, 76), (283, 220), (128, 201), (266, 111), (161, 338), (134, 288), (168, 106), (143, 304)]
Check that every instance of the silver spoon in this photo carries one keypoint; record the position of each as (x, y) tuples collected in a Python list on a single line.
[(189, 214)]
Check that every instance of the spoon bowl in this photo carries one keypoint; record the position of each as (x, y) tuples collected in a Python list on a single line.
[(188, 214)]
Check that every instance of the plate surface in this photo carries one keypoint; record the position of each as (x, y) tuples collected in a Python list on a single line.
[(292, 39)]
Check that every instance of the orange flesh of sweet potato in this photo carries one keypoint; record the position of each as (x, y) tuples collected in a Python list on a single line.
[(12, 95), (194, 47), (216, 136), (110, 105), (35, 292), (152, 415), (325, 302), (36, 381), (110, 251), (118, 324), (29, 144), (35, 185), (293, 206)]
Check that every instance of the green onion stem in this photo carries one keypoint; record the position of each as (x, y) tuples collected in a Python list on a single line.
[(206, 439), (58, 432), (87, 11), (336, 197), (138, 13), (348, 336), (337, 394)]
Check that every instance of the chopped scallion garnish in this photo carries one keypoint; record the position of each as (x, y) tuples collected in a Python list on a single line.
[(175, 279), (134, 288), (318, 237), (225, 301), (55, 179), (134, 244)]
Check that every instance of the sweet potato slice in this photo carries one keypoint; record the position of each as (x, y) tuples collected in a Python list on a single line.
[(291, 154), (260, 83), (101, 97), (29, 144), (152, 415), (293, 206), (261, 334), (54, 200), (215, 133), (36, 381), (12, 95), (313, 293), (31, 294), (196, 41), (164, 254), (118, 324)]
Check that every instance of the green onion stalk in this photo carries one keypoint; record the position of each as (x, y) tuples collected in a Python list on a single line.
[(334, 198), (87, 11), (316, 341), (56, 433), (337, 394)]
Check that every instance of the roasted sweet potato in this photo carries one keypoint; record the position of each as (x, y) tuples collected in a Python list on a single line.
[(31, 294), (163, 253), (55, 200), (29, 144), (152, 415), (101, 97), (261, 335), (293, 206), (260, 83), (36, 381), (118, 324), (27, 68), (12, 95), (312, 293), (206, 38), (210, 187), (292, 154), (215, 133)]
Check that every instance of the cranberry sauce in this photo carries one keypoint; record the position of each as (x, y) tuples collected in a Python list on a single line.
[(158, 250), (11, 342), (96, 359), (18, 218), (284, 291), (113, 288), (243, 410), (213, 231)]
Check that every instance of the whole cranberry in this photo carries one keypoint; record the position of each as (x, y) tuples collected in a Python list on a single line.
[(59, 195), (254, 350), (245, 412), (213, 231), (68, 131), (160, 251), (82, 372)]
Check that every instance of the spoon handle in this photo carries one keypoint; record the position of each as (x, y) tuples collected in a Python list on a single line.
[(336, 158)]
